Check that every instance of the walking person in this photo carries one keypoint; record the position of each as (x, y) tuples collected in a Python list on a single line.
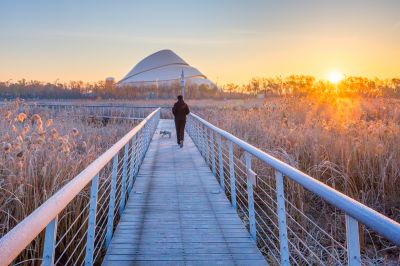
[(180, 111)]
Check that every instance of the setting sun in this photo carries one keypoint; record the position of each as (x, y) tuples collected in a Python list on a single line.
[(335, 77)]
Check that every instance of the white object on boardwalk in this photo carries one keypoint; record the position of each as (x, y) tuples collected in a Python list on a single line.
[(165, 133)]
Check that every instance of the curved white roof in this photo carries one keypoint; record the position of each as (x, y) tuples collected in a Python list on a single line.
[(163, 65)]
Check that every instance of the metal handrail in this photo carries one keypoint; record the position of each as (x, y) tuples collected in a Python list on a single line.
[(202, 133), (371, 218), (17, 239), (99, 110), (96, 105)]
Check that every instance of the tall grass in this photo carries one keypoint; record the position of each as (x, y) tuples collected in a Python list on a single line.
[(39, 154), (351, 144)]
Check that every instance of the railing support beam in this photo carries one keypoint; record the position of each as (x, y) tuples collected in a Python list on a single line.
[(232, 176), (123, 180), (201, 137), (221, 164), (91, 233), (353, 242), (250, 199), (49, 242), (207, 147), (214, 168), (132, 165), (136, 156), (283, 237), (111, 208)]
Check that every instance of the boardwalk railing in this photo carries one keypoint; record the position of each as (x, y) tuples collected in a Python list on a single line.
[(284, 229), (100, 110), (102, 188)]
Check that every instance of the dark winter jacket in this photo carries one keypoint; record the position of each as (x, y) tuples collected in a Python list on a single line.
[(180, 110)]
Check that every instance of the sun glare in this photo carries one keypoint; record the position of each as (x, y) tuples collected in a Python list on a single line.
[(335, 77)]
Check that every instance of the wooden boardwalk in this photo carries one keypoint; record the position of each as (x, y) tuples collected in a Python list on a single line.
[(177, 214)]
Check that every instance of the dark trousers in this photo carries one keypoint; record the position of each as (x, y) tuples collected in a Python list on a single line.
[(180, 130)]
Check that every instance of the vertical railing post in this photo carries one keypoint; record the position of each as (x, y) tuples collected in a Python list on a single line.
[(221, 164), (131, 164), (283, 237), (49, 242), (91, 233), (250, 198), (353, 242), (136, 155), (123, 181), (144, 140), (145, 137), (189, 128), (193, 131), (148, 137), (143, 143), (214, 170), (197, 132), (147, 126), (203, 142), (207, 147), (140, 145), (201, 148), (111, 208), (232, 175)]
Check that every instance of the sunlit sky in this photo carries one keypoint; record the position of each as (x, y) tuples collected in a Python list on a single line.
[(228, 40)]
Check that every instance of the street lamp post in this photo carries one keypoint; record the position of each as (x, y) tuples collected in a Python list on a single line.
[(182, 84)]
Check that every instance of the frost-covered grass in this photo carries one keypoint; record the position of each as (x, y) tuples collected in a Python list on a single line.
[(39, 154), (351, 144)]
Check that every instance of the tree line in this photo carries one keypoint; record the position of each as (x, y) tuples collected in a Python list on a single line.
[(301, 85), (100, 90), (294, 85)]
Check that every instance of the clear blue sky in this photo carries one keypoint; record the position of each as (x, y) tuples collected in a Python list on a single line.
[(228, 40)]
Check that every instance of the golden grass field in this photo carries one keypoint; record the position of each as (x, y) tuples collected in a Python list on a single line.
[(39, 154), (351, 144)]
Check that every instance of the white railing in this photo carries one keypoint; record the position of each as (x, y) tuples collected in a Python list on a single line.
[(107, 111), (284, 232), (88, 231)]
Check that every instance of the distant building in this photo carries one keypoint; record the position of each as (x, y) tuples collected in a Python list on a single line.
[(110, 81), (163, 68)]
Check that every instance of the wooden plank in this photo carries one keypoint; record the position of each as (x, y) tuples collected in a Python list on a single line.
[(228, 245), (186, 250), (187, 263), (177, 214), (177, 257)]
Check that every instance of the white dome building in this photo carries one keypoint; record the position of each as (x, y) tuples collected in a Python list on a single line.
[(163, 67)]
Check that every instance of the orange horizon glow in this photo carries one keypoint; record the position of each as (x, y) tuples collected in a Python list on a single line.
[(333, 77), (240, 73)]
